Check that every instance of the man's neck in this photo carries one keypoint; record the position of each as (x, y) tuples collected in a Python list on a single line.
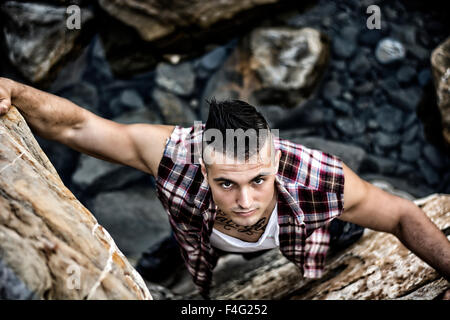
[(251, 233)]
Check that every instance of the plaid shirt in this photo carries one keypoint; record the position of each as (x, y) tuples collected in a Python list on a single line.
[(310, 187)]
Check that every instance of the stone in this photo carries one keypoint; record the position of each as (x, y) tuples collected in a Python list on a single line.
[(350, 126), (174, 110), (390, 119), (37, 39), (410, 134), (428, 172), (212, 60), (178, 79), (51, 242), (331, 90), (370, 37), (389, 50), (408, 99), (342, 106), (134, 217), (410, 152), (360, 65), (440, 62), (154, 20), (406, 74), (424, 77), (261, 75), (342, 48), (434, 156), (386, 141)]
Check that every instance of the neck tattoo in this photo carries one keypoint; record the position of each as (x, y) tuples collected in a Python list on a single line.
[(228, 224)]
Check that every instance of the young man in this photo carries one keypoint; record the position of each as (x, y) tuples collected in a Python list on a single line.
[(274, 193)]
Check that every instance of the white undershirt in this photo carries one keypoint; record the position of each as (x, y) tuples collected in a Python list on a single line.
[(268, 240)]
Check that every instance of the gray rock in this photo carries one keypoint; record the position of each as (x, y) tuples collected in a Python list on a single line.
[(389, 50), (410, 134), (386, 141), (410, 152), (408, 99), (430, 175), (174, 110), (12, 287), (424, 77), (370, 37), (134, 217), (178, 79), (341, 106), (406, 74), (37, 38), (377, 164), (360, 65), (90, 169), (390, 119), (350, 126), (343, 48), (213, 59), (331, 90), (352, 155), (434, 156)]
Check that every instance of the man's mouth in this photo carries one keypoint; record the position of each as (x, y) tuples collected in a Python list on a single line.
[(245, 213)]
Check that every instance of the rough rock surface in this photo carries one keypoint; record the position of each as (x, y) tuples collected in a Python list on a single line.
[(156, 19), (377, 266), (257, 73), (440, 61), (49, 240), (37, 37)]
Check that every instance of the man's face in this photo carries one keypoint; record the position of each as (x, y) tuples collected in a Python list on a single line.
[(243, 191)]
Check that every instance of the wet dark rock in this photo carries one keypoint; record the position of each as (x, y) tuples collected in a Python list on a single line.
[(174, 110), (408, 99), (341, 106), (331, 90), (429, 174), (424, 77), (434, 156), (370, 37), (350, 126), (342, 48), (389, 118), (410, 152), (213, 59), (410, 133), (385, 140), (360, 65), (406, 74)]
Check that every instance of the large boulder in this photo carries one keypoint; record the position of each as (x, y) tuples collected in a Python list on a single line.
[(278, 66), (157, 19), (37, 39), (440, 61), (51, 246)]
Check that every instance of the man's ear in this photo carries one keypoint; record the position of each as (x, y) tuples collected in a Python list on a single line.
[(277, 161)]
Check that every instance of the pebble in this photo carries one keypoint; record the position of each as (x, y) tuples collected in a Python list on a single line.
[(389, 50)]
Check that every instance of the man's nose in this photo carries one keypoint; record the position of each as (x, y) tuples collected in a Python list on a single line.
[(244, 199)]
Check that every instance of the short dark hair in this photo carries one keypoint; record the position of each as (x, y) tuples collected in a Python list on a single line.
[(236, 114)]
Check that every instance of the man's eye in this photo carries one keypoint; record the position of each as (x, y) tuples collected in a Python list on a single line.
[(226, 185), (258, 181)]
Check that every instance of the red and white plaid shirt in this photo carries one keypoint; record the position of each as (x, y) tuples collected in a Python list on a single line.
[(310, 186)]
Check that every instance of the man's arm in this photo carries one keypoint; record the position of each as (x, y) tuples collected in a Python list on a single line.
[(371, 207), (137, 145)]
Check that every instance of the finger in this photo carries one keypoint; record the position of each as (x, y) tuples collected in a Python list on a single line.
[(5, 104)]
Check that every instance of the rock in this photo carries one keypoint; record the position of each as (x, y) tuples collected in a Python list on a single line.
[(342, 106), (434, 156), (378, 164), (342, 48), (271, 66), (352, 155), (370, 37), (389, 50), (350, 126), (390, 119), (37, 38), (156, 19), (406, 74), (178, 79), (410, 134), (408, 99), (331, 90), (11, 287), (377, 267), (174, 110), (428, 172), (360, 65), (83, 94), (51, 242), (410, 152), (424, 77), (440, 61), (386, 141), (213, 59), (134, 217)]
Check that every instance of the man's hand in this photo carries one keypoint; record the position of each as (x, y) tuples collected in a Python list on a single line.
[(5, 95)]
